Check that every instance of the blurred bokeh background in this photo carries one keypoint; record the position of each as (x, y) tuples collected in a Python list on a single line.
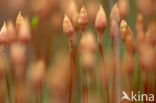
[(42, 70)]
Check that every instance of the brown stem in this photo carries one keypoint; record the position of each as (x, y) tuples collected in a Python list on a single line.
[(85, 94), (107, 90), (72, 63), (101, 52), (2, 98), (146, 84), (85, 88), (36, 44), (48, 50), (102, 56), (116, 49), (8, 89), (113, 88), (38, 95), (131, 82), (155, 88), (131, 54)]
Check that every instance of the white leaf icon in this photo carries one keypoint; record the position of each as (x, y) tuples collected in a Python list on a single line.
[(125, 96)]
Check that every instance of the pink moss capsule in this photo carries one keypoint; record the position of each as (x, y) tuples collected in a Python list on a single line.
[(124, 29), (114, 22), (69, 31), (127, 36), (3, 34), (114, 29), (115, 14), (83, 18), (23, 29), (68, 28), (19, 20), (101, 21)]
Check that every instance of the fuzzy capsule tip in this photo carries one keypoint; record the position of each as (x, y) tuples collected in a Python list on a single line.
[(83, 18), (3, 34), (101, 22), (19, 18), (67, 26)]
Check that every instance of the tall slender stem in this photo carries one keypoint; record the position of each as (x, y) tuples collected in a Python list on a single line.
[(116, 50), (85, 88), (72, 72)]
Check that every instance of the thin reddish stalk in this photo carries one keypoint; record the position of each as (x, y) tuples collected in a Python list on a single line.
[(101, 52), (38, 97), (48, 51), (131, 82), (8, 88), (117, 68), (36, 44), (102, 57), (107, 90), (72, 72), (131, 71), (70, 79), (113, 88), (2, 99), (6, 75), (146, 85), (85, 89), (155, 87)]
